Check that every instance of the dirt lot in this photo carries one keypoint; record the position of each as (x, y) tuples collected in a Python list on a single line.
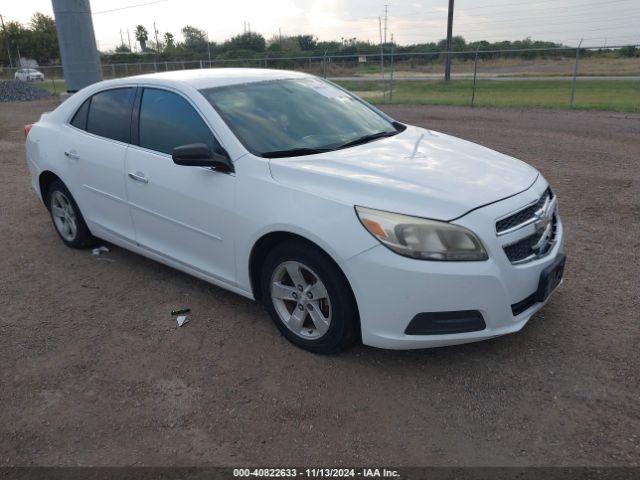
[(95, 372)]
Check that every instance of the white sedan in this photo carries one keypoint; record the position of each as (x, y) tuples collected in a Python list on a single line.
[(282, 187), (29, 75)]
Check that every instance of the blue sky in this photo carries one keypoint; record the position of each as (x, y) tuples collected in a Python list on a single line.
[(604, 22)]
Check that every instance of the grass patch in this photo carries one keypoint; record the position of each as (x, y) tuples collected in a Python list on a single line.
[(53, 86), (614, 95)]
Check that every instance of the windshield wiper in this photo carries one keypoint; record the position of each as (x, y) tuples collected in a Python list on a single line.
[(294, 152), (368, 138)]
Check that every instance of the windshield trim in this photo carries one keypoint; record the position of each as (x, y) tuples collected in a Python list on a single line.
[(399, 127)]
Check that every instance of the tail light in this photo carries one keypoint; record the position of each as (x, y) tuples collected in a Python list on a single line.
[(27, 129)]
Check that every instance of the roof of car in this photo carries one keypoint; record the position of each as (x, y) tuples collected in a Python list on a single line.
[(217, 77)]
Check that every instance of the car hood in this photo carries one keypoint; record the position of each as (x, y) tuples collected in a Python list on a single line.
[(416, 172)]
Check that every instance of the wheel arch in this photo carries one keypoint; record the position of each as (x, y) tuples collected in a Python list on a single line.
[(268, 241), (46, 178)]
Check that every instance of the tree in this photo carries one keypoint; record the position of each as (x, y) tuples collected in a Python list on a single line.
[(123, 48), (195, 40), (169, 41), (307, 42), (142, 36), (629, 51), (247, 41)]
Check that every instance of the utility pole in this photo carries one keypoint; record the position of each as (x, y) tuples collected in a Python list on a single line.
[(209, 49), (381, 52), (391, 77), (129, 40), (447, 66), (385, 23), (155, 31), (6, 41), (121, 38)]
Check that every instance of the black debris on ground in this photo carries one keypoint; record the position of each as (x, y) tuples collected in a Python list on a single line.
[(15, 91)]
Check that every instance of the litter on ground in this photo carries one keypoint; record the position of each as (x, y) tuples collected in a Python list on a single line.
[(97, 251)]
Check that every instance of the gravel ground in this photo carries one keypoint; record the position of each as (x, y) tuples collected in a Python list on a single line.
[(14, 91), (95, 372)]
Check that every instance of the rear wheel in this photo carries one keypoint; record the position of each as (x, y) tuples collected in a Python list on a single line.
[(308, 298), (67, 218)]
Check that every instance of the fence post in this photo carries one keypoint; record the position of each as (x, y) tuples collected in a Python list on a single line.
[(384, 93), (575, 74), (201, 64), (126, 69), (391, 74), (266, 59), (113, 70), (475, 71), (324, 65)]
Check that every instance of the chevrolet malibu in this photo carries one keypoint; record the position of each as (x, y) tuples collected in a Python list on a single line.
[(284, 188)]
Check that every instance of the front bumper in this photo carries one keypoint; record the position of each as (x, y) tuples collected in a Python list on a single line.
[(391, 290)]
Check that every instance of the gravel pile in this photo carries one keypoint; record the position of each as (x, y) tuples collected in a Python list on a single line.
[(14, 91)]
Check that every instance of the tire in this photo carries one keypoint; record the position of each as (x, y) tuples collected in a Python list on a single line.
[(66, 217), (322, 324)]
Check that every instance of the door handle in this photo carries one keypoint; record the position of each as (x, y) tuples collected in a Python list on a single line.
[(71, 154), (138, 177)]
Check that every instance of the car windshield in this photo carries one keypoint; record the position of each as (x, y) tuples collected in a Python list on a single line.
[(281, 118)]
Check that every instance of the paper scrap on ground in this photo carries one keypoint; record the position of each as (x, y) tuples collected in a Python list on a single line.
[(181, 320), (97, 251)]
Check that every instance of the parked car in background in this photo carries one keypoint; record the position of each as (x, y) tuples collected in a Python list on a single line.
[(285, 188), (29, 75)]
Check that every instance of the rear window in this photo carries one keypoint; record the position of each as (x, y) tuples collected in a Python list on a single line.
[(110, 114), (80, 118)]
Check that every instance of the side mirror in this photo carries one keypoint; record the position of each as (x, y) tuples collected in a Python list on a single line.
[(199, 155)]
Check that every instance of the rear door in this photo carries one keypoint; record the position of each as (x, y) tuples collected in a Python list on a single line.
[(95, 151), (182, 213)]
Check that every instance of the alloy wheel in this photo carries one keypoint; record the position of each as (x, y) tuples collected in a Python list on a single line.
[(64, 216), (301, 300)]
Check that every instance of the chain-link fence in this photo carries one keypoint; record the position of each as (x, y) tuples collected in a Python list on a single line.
[(591, 77)]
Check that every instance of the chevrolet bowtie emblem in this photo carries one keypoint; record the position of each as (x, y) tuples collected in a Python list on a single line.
[(544, 226)]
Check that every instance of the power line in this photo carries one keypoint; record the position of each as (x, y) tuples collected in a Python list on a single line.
[(130, 6), (508, 5), (561, 24), (532, 33), (529, 18), (533, 25)]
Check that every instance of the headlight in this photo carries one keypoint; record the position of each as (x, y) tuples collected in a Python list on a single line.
[(421, 238)]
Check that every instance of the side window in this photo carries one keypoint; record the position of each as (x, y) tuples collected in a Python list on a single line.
[(167, 120), (80, 118), (110, 114)]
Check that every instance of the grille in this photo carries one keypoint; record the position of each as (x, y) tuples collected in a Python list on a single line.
[(524, 215), (523, 249)]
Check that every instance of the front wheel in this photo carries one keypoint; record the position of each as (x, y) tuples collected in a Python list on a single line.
[(309, 298)]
